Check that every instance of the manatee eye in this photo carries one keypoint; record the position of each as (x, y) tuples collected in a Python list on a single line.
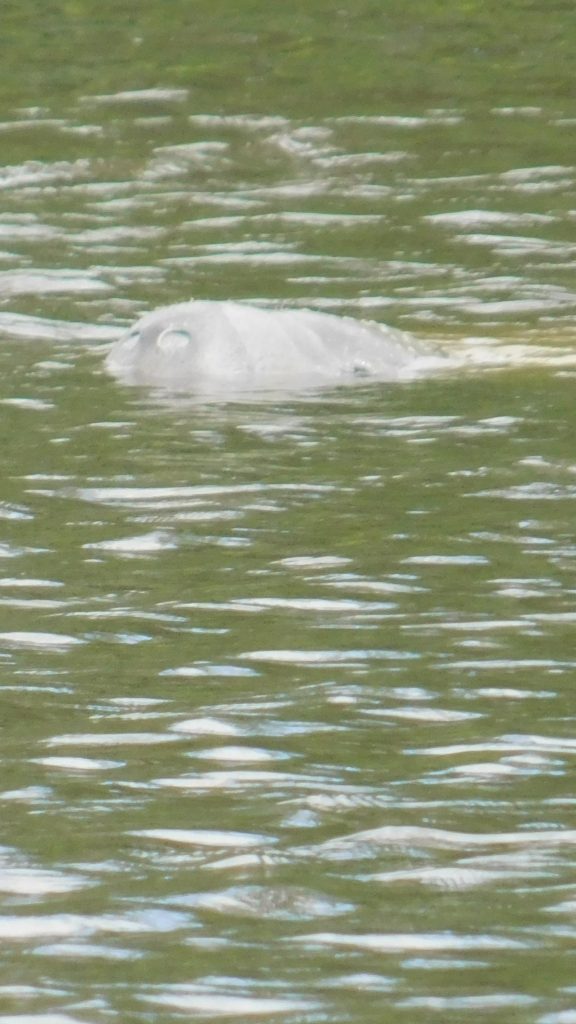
[(173, 339)]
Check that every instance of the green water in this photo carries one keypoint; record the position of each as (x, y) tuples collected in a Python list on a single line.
[(287, 684)]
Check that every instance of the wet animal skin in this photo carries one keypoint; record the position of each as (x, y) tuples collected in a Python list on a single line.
[(202, 346)]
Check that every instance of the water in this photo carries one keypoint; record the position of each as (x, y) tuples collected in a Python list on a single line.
[(286, 705)]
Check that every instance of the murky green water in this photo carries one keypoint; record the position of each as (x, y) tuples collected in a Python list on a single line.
[(287, 685)]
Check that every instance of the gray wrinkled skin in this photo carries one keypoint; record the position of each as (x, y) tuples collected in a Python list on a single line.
[(203, 346)]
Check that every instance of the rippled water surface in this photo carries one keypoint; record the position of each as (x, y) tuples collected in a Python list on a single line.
[(287, 682)]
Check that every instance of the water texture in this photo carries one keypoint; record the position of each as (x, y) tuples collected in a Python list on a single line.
[(286, 688)]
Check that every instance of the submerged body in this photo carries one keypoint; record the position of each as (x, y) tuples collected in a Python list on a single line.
[(228, 346)]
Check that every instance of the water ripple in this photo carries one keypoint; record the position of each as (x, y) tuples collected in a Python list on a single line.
[(272, 666)]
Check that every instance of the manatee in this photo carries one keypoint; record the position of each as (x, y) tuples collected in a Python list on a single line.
[(204, 346)]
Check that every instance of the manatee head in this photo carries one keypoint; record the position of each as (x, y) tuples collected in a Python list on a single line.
[(223, 346), (167, 347)]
